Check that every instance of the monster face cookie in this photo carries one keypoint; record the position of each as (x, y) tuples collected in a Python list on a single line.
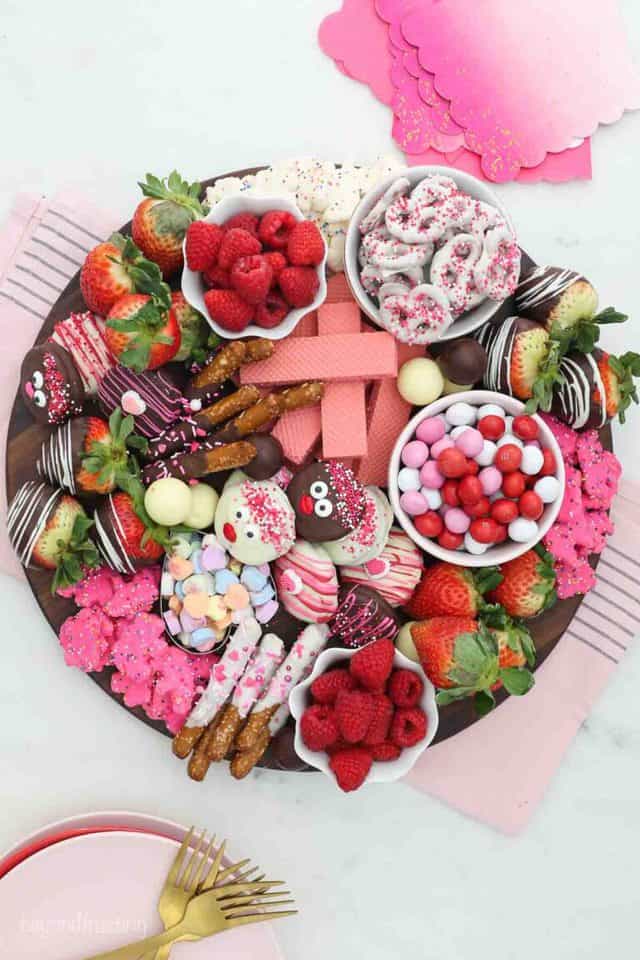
[(254, 520), (51, 386), (328, 501)]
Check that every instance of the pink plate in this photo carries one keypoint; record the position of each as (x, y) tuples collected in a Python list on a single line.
[(94, 893)]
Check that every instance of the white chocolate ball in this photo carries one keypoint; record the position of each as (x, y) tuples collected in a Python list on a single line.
[(522, 530), (460, 414), (451, 387), (409, 479), (488, 454), (547, 488), (405, 644), (472, 546), (532, 461), (510, 438), (204, 501), (168, 501), (490, 410), (420, 381), (433, 498)]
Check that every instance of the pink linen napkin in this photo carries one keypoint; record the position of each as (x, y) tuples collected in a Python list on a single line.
[(42, 246)]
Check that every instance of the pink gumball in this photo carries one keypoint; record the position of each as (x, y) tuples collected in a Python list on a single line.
[(431, 430), (443, 444), (491, 480), (430, 476), (456, 520), (413, 503), (414, 454), (470, 441)]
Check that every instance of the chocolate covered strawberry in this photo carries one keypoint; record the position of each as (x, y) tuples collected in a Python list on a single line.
[(528, 584), (113, 269), (446, 589), (517, 351), (124, 539), (142, 331), (160, 222)]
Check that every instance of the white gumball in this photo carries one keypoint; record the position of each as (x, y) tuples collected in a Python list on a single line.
[(490, 410), (409, 479), (433, 498), (532, 461), (460, 414), (547, 488), (204, 501), (168, 501), (510, 438), (472, 546), (508, 424), (488, 454), (522, 530)]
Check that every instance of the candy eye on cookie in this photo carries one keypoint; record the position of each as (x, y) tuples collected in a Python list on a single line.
[(318, 490), (39, 398), (37, 379), (323, 508)]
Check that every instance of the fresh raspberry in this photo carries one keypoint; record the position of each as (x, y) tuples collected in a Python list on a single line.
[(408, 727), (278, 262), (318, 727), (351, 767), (354, 713), (379, 726), (251, 277), (383, 752), (273, 311), (306, 246), (299, 285), (326, 687), (405, 688), (228, 309), (243, 221), (202, 244), (336, 747), (215, 277), (275, 227), (237, 243), (371, 665)]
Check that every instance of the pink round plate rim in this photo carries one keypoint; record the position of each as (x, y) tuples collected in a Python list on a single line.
[(54, 902)]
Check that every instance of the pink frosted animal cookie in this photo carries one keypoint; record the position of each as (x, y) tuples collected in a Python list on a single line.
[(571, 510), (560, 542), (179, 679), (134, 594), (87, 639), (420, 315), (574, 578), (566, 437), (94, 590), (601, 470), (137, 641)]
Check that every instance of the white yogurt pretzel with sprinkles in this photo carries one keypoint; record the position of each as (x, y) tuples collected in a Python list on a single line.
[(416, 316), (452, 271), (497, 271)]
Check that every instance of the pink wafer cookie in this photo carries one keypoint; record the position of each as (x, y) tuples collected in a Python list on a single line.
[(343, 408), (299, 432)]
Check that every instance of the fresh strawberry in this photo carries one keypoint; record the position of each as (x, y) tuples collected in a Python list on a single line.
[(243, 221), (142, 332), (405, 688), (529, 351), (275, 228), (216, 278), (516, 649), (160, 222), (299, 285), (327, 686), (194, 329), (140, 545), (306, 246), (251, 277), (528, 584), (318, 727), (273, 311), (371, 665), (202, 244), (351, 767), (354, 713), (113, 269), (64, 546), (385, 752), (237, 243), (617, 375), (448, 590), (381, 720), (229, 310), (408, 727), (277, 262)]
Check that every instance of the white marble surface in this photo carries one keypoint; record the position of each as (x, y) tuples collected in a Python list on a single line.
[(93, 97)]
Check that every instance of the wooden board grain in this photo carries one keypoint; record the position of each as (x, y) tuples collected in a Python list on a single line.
[(23, 445)]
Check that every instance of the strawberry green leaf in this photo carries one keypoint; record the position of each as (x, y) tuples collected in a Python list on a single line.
[(176, 189), (488, 579), (517, 681), (610, 315), (137, 358), (484, 702)]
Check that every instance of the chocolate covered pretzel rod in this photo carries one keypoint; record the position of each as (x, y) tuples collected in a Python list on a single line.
[(294, 668), (243, 762), (249, 688), (271, 408), (226, 362), (212, 457)]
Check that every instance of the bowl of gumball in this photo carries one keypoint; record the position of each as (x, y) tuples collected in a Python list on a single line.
[(475, 480), (364, 716), (254, 266)]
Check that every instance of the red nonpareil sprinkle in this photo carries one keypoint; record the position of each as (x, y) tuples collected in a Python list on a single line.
[(350, 494), (276, 521)]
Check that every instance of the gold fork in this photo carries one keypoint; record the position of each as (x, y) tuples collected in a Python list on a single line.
[(222, 908)]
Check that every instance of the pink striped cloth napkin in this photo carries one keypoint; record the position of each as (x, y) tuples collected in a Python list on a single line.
[(496, 771)]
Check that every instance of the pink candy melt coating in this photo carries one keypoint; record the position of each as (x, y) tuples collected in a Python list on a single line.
[(430, 476), (414, 454), (431, 430), (456, 520), (441, 445), (470, 441), (413, 503), (491, 480)]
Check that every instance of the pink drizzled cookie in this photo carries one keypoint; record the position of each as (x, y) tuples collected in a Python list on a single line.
[(82, 334), (368, 539), (395, 573), (258, 674), (87, 639), (420, 315), (307, 583), (152, 397)]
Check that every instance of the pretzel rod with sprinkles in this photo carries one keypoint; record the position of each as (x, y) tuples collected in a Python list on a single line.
[(212, 457)]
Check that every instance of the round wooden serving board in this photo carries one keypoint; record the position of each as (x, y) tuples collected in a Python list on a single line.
[(23, 447)]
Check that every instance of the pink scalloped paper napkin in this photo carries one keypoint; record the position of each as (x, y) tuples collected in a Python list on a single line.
[(499, 769), (549, 98)]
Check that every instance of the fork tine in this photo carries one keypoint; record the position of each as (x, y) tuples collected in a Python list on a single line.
[(261, 900), (230, 871), (204, 860), (234, 889), (215, 866), (250, 909), (194, 860), (258, 918), (179, 858)]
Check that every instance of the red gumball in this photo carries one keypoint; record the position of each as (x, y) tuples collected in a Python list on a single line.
[(501, 534), (549, 464), (504, 511), (513, 484), (484, 530), (531, 505), (473, 467), (479, 509), (449, 493), (525, 427), (470, 490), (508, 458), (452, 463), (429, 524), (449, 540), (491, 427)]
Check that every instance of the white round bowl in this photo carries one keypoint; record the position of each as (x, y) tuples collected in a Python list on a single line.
[(194, 289), (502, 552), (381, 772), (470, 320)]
